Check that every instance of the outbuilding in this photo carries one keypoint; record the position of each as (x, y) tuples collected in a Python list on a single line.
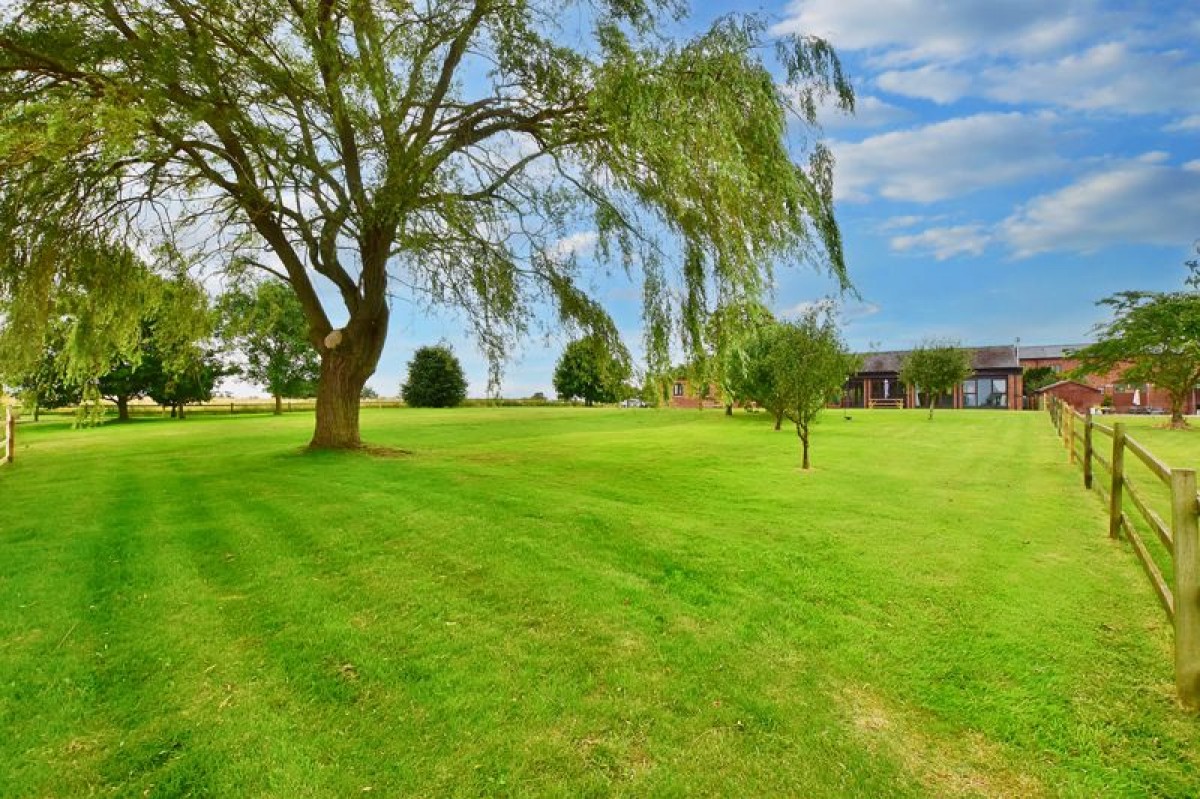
[(1079, 396)]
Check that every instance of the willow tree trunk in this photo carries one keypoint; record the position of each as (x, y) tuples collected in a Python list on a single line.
[(346, 363), (123, 409)]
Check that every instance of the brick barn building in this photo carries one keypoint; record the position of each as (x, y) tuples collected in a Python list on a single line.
[(994, 383), (1059, 358), (1079, 396)]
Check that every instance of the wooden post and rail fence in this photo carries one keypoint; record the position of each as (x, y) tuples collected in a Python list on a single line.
[(1180, 537)]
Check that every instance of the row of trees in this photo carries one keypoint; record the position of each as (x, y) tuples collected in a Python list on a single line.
[(178, 350)]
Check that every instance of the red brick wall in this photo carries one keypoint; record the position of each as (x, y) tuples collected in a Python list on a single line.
[(1079, 397), (689, 398), (1065, 365)]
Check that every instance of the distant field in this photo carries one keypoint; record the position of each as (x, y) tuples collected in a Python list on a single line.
[(570, 602)]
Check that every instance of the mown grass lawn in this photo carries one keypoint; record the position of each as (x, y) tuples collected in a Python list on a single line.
[(544, 602)]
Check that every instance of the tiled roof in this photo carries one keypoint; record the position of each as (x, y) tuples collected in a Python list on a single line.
[(982, 359), (1041, 351), (1065, 382)]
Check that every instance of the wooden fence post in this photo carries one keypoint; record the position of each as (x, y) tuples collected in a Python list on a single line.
[(1118, 481), (1187, 586), (1070, 435), (1087, 450), (10, 431)]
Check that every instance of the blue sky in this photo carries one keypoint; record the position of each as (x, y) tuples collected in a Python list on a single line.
[(1010, 163)]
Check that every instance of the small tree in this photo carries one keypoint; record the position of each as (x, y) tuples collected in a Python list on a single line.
[(267, 324), (435, 379), (728, 336), (1156, 337), (589, 370), (368, 393), (754, 376), (935, 367), (129, 378), (810, 365), (187, 381)]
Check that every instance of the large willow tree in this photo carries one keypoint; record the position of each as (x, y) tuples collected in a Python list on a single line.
[(448, 150)]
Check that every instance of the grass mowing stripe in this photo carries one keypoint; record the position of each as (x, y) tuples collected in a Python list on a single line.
[(570, 602)]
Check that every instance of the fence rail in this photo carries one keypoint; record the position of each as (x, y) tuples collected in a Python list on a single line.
[(1180, 597)]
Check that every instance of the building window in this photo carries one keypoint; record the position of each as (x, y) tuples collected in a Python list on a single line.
[(985, 392), (678, 391)]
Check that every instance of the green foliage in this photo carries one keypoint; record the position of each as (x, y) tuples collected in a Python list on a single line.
[(266, 323), (729, 334), (189, 382), (368, 393), (934, 368), (755, 378), (591, 371), (45, 385), (435, 379), (808, 365), (1035, 378), (91, 294), (169, 361), (453, 148), (1155, 336)]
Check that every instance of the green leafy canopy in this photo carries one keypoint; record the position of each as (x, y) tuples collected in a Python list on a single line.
[(435, 379), (591, 371), (441, 149), (934, 368)]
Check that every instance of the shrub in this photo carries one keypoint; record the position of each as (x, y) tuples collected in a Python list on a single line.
[(435, 379)]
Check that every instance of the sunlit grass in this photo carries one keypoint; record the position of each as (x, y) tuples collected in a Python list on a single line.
[(573, 603)]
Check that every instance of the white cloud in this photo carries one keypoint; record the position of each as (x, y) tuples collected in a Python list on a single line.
[(801, 308), (577, 244), (1091, 55), (859, 310), (846, 313), (869, 112), (939, 84), (912, 31), (1140, 201), (901, 222), (1189, 124), (945, 242), (947, 159), (1106, 77)]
